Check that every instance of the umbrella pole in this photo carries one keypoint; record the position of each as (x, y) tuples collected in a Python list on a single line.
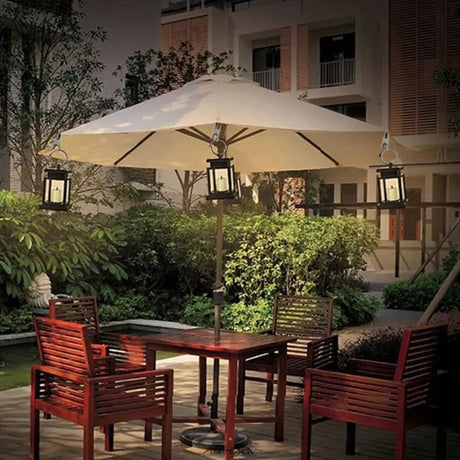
[(218, 290)]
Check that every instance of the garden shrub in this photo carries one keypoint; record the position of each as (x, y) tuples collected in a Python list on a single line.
[(79, 253), (199, 311), (294, 255), (417, 295), (18, 320), (168, 255), (248, 318), (353, 307)]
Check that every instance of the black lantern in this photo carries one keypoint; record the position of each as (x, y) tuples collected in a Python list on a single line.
[(391, 188), (56, 190), (391, 185), (222, 183)]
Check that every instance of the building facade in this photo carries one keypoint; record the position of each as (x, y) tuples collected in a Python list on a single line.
[(373, 60)]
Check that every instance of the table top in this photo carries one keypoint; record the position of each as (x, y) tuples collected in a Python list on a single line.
[(230, 342)]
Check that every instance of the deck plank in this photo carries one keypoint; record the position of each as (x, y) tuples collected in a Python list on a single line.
[(61, 439)]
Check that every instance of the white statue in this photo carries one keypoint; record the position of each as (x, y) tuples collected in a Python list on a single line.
[(39, 291)]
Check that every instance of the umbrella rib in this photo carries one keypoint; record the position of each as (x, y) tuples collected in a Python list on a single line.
[(196, 133), (305, 138), (131, 150), (241, 131), (244, 137)]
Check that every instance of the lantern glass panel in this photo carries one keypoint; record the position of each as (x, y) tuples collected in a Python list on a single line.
[(222, 179), (392, 186)]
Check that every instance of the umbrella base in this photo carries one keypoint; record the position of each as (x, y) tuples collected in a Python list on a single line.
[(206, 438)]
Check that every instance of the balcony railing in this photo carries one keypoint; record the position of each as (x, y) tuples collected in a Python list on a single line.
[(269, 79), (333, 73)]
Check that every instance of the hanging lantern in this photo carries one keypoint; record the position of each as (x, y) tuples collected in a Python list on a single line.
[(391, 185), (391, 188), (56, 190), (221, 179)]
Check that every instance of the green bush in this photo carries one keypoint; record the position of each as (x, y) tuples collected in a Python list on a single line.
[(291, 254), (19, 320), (199, 311), (353, 307), (417, 295), (79, 253), (248, 318)]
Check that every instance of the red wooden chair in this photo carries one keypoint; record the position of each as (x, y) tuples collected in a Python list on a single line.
[(309, 319), (75, 384), (394, 397), (129, 351)]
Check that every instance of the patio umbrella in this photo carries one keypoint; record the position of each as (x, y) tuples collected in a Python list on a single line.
[(263, 130)]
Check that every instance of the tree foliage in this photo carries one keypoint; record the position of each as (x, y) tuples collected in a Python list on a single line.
[(50, 82), (79, 253)]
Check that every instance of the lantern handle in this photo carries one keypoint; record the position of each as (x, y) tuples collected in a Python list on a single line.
[(384, 148), (57, 149)]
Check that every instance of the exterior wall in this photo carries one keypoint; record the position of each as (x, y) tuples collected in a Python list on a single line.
[(129, 28)]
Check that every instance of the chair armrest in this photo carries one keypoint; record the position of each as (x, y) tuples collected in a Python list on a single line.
[(126, 348), (57, 372), (371, 368), (99, 349), (323, 353), (353, 397), (127, 376)]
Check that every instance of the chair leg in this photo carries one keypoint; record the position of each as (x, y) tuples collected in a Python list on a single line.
[(241, 387), (269, 390), (148, 431), (350, 446), (88, 442), (400, 443), (305, 445), (34, 433), (441, 435), (166, 436), (108, 437)]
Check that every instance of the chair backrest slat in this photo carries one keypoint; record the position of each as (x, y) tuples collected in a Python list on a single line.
[(307, 318), (419, 356), (81, 310), (64, 345)]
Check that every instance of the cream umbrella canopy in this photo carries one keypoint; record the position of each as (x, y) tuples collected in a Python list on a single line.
[(262, 130), (265, 131)]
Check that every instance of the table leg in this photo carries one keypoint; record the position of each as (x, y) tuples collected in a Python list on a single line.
[(151, 363), (280, 395), (202, 387), (229, 440)]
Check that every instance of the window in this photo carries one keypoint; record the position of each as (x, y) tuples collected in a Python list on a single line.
[(326, 196), (266, 58), (337, 47), (265, 66), (349, 195), (337, 60)]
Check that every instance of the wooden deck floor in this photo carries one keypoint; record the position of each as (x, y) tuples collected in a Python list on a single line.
[(63, 440)]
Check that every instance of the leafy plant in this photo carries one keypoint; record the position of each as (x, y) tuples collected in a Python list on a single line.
[(79, 253), (417, 295), (199, 311), (248, 318), (353, 307)]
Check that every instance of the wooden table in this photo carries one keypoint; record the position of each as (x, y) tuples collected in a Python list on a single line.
[(233, 347)]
